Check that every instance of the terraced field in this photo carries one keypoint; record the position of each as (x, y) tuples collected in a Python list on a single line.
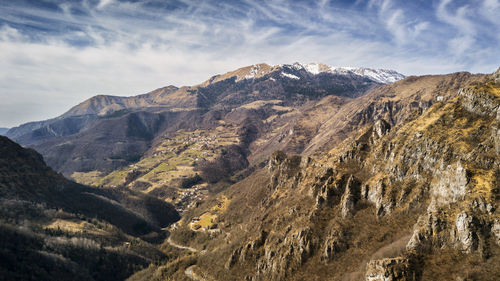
[(170, 169)]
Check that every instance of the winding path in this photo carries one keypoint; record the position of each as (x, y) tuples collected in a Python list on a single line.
[(169, 241), (189, 271)]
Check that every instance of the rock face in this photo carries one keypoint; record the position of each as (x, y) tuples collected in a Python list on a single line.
[(335, 244), (466, 233), (422, 171), (350, 197), (281, 258), (452, 186), (392, 269), (496, 76), (380, 128)]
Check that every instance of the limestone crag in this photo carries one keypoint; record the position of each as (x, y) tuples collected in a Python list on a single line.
[(449, 181), (390, 269), (282, 257)]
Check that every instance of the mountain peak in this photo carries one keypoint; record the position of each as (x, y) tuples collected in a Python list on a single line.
[(383, 76), (247, 72)]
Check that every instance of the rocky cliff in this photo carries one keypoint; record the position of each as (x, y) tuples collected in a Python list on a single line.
[(415, 199)]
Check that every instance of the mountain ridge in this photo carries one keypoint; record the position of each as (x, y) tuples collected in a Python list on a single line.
[(209, 102), (261, 69), (105, 104)]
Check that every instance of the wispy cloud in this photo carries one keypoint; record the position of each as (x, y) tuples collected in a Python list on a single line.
[(56, 53)]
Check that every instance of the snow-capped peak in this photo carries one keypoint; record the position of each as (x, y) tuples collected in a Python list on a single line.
[(296, 70), (297, 66), (312, 68), (384, 76), (378, 75)]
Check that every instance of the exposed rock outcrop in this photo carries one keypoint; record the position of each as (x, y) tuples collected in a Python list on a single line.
[(452, 186), (496, 76), (282, 257), (391, 269), (334, 244), (350, 197), (380, 128)]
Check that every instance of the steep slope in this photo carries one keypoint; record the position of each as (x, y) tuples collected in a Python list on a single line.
[(102, 105), (414, 201), (113, 141), (325, 124), (52, 227), (394, 102)]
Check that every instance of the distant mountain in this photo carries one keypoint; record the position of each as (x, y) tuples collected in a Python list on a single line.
[(52, 227), (187, 97), (102, 105), (259, 70), (122, 129), (173, 97), (3, 131), (378, 75)]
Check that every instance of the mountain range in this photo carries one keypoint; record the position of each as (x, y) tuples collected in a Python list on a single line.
[(131, 124), (286, 172)]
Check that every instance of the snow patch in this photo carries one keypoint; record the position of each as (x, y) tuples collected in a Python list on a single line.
[(253, 71), (312, 68), (297, 66), (383, 76), (291, 76)]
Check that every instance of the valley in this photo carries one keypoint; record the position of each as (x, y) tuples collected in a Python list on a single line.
[(287, 172)]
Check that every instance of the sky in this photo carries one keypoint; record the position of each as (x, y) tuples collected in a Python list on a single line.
[(55, 54)]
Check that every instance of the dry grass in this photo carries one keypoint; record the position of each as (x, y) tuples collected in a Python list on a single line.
[(485, 182), (88, 178), (207, 220), (260, 103)]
